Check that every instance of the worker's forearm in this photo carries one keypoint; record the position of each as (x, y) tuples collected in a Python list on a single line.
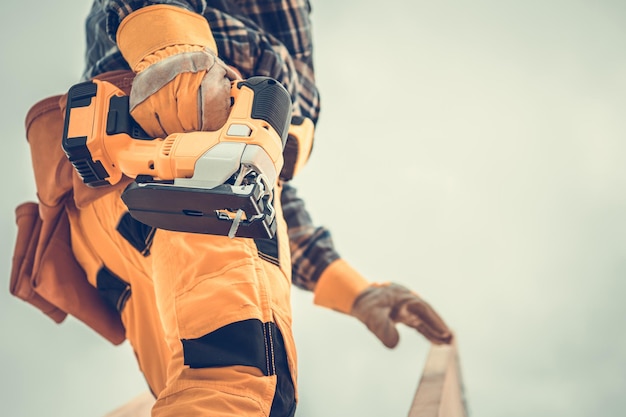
[(312, 248)]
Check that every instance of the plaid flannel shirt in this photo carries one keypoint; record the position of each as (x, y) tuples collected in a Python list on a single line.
[(258, 37)]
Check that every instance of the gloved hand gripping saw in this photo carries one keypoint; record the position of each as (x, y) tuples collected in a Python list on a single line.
[(217, 182)]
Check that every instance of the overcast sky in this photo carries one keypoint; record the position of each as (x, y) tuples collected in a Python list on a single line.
[(473, 151)]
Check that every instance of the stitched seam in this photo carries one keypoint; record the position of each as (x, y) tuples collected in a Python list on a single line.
[(269, 258), (267, 357), (121, 301), (269, 349), (148, 242)]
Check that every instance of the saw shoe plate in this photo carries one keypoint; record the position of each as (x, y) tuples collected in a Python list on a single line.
[(227, 210)]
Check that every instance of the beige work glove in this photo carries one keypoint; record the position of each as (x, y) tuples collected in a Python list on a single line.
[(379, 306), (181, 85)]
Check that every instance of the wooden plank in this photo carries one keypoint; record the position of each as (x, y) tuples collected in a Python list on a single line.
[(440, 390)]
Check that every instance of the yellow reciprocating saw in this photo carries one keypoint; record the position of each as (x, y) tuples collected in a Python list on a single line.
[(218, 182)]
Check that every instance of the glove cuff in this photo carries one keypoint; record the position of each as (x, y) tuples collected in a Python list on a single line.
[(154, 28), (338, 287)]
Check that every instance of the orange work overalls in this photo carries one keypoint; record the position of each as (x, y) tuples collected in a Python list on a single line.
[(208, 317)]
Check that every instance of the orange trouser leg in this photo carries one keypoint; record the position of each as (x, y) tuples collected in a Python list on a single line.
[(124, 276), (218, 338)]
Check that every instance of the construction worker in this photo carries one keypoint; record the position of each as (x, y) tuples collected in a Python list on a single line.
[(209, 316)]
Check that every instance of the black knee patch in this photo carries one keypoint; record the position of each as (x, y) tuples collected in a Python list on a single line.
[(240, 343), (249, 343)]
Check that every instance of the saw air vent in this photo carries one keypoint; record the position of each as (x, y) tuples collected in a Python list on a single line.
[(166, 149)]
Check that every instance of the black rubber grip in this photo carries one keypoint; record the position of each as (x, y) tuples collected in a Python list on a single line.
[(272, 103), (119, 119)]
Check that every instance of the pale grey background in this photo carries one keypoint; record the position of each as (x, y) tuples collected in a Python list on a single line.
[(474, 151)]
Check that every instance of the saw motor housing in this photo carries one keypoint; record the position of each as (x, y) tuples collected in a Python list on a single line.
[(218, 182)]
